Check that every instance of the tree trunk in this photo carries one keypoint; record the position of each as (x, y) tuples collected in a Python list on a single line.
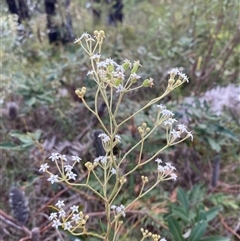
[(20, 8)]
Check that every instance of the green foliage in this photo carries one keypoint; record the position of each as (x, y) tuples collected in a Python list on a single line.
[(27, 140), (191, 216)]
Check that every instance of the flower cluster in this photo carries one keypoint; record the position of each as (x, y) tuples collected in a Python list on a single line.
[(165, 118), (108, 72), (107, 143), (119, 210), (165, 172), (174, 72), (71, 221), (66, 170)]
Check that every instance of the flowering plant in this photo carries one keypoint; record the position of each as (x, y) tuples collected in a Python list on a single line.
[(112, 86)]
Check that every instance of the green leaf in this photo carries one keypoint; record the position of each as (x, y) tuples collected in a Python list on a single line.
[(26, 138), (181, 195), (212, 213), (181, 213), (198, 231), (175, 229), (13, 147), (214, 145), (215, 238), (7, 146), (201, 216)]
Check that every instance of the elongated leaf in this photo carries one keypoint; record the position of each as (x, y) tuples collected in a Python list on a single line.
[(175, 229), (7, 146), (212, 213), (181, 195), (26, 138), (201, 215), (198, 231), (181, 213)]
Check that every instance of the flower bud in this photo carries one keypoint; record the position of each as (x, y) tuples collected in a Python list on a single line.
[(96, 33), (110, 68), (148, 83), (78, 93), (81, 93), (126, 64), (179, 82), (171, 81), (135, 67), (118, 82), (102, 33)]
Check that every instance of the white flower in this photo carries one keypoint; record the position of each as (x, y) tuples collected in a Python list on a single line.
[(67, 226), (168, 164), (161, 107), (169, 121), (161, 168), (162, 239), (166, 113), (68, 168), (135, 76), (63, 157), (43, 167), (56, 223), (102, 64), (104, 160), (53, 178), (85, 35), (120, 69), (76, 217), (120, 89), (90, 72), (77, 40), (71, 175), (119, 209), (54, 156), (74, 208), (52, 216), (98, 159), (118, 138), (113, 171), (173, 176), (183, 76), (119, 74), (105, 138), (158, 160), (62, 213), (60, 204), (95, 56), (182, 128), (174, 71), (102, 73), (175, 134), (110, 61), (76, 158)]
